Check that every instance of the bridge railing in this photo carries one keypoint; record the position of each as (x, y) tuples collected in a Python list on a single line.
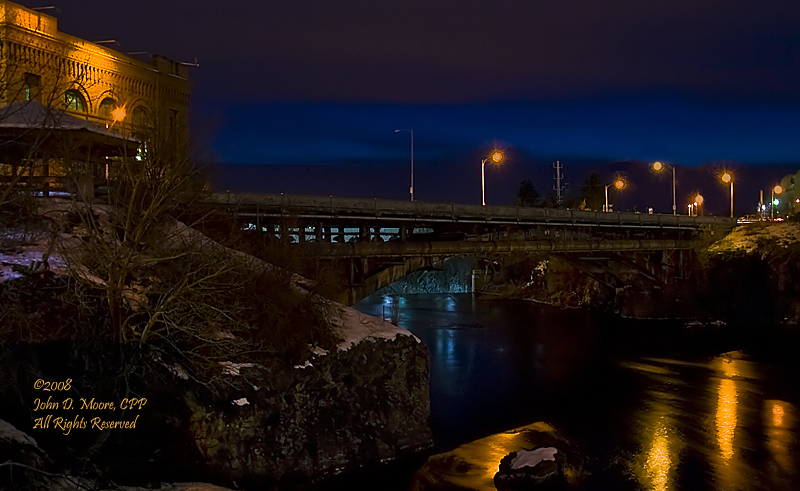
[(321, 206)]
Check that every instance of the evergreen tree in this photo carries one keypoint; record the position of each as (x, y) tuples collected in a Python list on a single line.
[(527, 194), (593, 192)]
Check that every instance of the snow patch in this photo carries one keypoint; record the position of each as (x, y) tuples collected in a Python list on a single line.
[(318, 351), (9, 433), (305, 364), (193, 486), (178, 371), (357, 327), (531, 458), (25, 257), (231, 368), (241, 402)]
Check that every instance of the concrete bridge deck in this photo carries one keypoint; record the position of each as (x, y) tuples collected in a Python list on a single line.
[(375, 242), (316, 208)]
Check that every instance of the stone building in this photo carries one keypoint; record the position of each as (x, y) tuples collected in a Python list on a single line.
[(90, 81), (95, 90)]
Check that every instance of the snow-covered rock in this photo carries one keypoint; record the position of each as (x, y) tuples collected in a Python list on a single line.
[(531, 458), (18, 446), (359, 404), (515, 459)]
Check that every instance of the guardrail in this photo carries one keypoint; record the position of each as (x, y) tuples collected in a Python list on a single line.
[(319, 206)]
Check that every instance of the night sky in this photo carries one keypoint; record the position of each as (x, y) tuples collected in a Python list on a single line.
[(312, 91)]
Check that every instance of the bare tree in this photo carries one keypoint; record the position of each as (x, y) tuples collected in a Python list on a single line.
[(166, 284)]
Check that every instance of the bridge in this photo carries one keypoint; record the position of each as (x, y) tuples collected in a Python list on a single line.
[(379, 241)]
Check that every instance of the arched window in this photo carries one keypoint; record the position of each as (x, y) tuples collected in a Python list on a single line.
[(139, 116), (106, 107), (74, 100)]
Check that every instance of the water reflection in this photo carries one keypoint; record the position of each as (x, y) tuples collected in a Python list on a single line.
[(720, 422), (659, 461), (661, 443), (730, 468), (672, 419), (780, 426), (726, 417)]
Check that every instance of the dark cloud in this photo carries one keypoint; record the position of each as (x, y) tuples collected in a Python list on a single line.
[(461, 51), (327, 82)]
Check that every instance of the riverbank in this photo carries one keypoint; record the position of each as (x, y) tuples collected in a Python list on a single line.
[(749, 275), (231, 369)]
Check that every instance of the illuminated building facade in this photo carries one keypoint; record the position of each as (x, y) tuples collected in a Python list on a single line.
[(92, 82)]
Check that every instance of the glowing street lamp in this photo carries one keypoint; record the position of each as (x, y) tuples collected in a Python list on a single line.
[(118, 114), (698, 200), (411, 189), (658, 167), (775, 201), (496, 157), (728, 177), (618, 183)]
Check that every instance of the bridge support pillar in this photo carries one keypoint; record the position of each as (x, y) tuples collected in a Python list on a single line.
[(284, 231)]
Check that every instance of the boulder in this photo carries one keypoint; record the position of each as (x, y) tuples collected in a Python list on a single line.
[(365, 402), (19, 450), (537, 468), (19, 447), (489, 464)]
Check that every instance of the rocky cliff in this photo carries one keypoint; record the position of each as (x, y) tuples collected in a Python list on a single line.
[(359, 404), (750, 275), (224, 402)]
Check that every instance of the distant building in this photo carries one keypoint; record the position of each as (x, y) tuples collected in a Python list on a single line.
[(40, 62), (86, 80)]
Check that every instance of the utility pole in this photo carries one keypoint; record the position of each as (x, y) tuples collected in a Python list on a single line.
[(558, 188)]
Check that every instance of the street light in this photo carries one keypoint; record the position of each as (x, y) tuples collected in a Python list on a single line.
[(658, 167), (411, 189), (728, 177), (698, 200), (118, 114), (618, 183), (775, 202), (496, 156)]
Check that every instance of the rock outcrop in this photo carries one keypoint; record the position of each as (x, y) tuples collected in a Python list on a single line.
[(749, 275), (485, 464), (262, 417), (362, 403), (26, 466)]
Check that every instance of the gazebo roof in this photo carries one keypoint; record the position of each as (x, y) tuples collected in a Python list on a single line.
[(24, 122)]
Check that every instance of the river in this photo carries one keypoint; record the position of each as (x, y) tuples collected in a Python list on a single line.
[(656, 405)]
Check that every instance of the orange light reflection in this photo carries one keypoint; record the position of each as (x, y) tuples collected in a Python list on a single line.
[(727, 403)]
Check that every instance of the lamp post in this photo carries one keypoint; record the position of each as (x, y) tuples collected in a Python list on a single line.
[(618, 183), (117, 116), (698, 201), (411, 189), (496, 156), (728, 177), (658, 167), (776, 190)]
